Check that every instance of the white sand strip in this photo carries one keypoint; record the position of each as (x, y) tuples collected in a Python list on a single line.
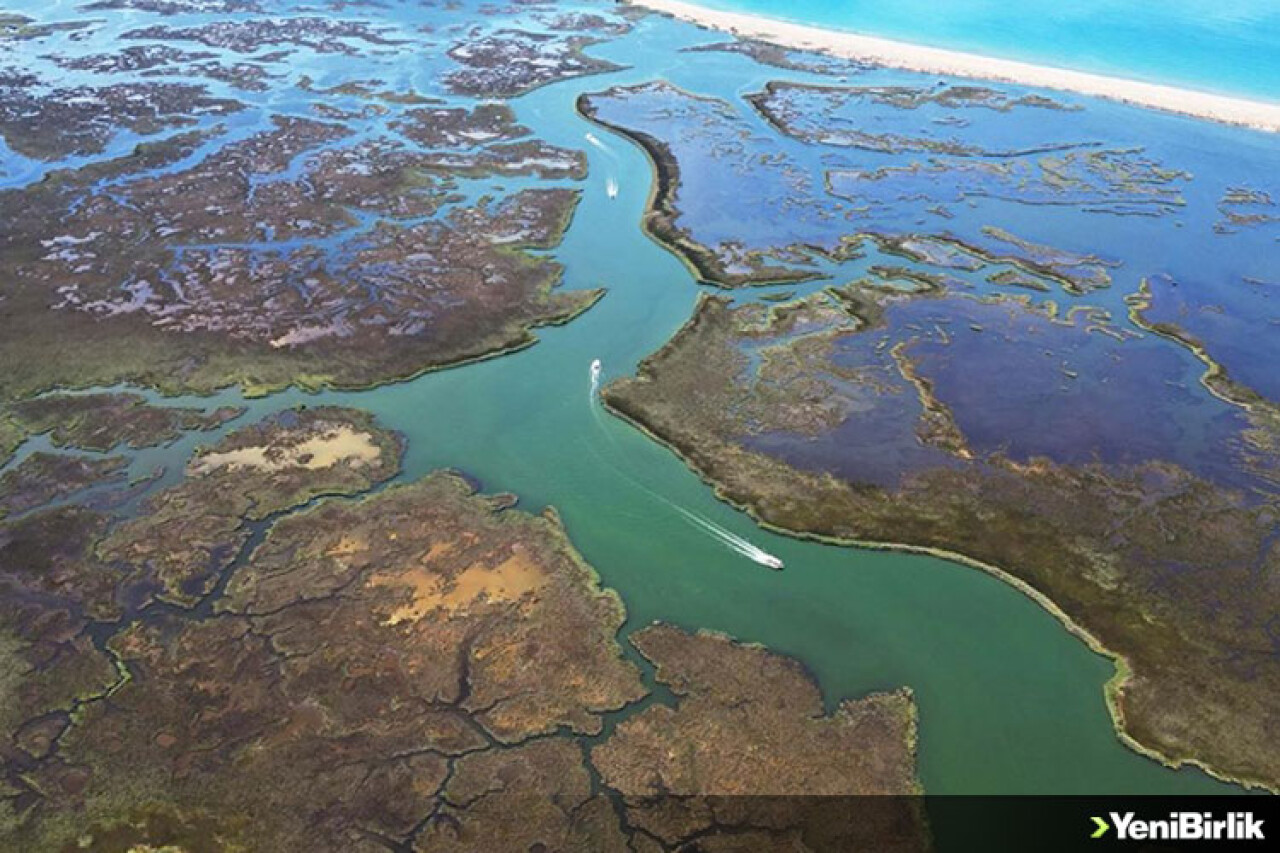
[(895, 54)]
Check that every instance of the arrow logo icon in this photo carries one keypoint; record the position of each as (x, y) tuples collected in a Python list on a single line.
[(1102, 828)]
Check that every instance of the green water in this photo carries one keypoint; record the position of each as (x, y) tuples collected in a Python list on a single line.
[(1009, 701)]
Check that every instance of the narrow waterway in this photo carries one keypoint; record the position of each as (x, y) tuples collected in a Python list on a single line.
[(1009, 701)]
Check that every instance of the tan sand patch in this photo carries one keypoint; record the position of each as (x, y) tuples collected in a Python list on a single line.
[(346, 546), (325, 450), (510, 580), (438, 550)]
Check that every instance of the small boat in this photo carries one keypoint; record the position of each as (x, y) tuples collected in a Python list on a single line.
[(770, 561), (612, 188), (595, 378)]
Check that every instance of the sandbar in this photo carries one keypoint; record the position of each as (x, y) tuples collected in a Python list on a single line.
[(912, 57)]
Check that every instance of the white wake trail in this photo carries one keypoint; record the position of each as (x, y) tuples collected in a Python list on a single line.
[(611, 186), (596, 143), (725, 537), (730, 539), (596, 404)]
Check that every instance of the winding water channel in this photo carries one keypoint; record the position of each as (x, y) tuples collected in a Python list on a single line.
[(1009, 701)]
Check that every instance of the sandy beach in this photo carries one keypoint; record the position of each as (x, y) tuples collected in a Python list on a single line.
[(896, 54)]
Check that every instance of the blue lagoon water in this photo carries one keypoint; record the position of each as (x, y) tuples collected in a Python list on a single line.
[(1223, 46)]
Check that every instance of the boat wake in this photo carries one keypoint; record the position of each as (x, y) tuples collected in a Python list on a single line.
[(595, 142), (611, 186), (728, 538), (595, 378)]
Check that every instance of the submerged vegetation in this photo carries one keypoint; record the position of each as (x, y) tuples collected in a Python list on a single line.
[(983, 342), (418, 666), (845, 417), (979, 388)]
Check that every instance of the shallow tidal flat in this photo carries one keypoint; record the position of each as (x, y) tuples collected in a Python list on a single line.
[(1214, 54), (925, 313), (268, 641), (1036, 344), (415, 667), (356, 236)]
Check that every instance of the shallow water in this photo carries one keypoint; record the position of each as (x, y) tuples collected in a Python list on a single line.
[(1230, 48), (1009, 701)]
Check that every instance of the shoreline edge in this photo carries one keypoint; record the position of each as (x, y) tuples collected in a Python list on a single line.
[(1224, 109)]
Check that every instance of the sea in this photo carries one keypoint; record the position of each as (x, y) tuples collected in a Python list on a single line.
[(1227, 47)]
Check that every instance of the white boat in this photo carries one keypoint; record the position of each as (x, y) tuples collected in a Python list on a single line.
[(770, 561), (612, 188), (595, 378)]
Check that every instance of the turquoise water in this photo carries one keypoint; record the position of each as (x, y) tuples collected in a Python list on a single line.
[(1225, 46), (1009, 701)]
